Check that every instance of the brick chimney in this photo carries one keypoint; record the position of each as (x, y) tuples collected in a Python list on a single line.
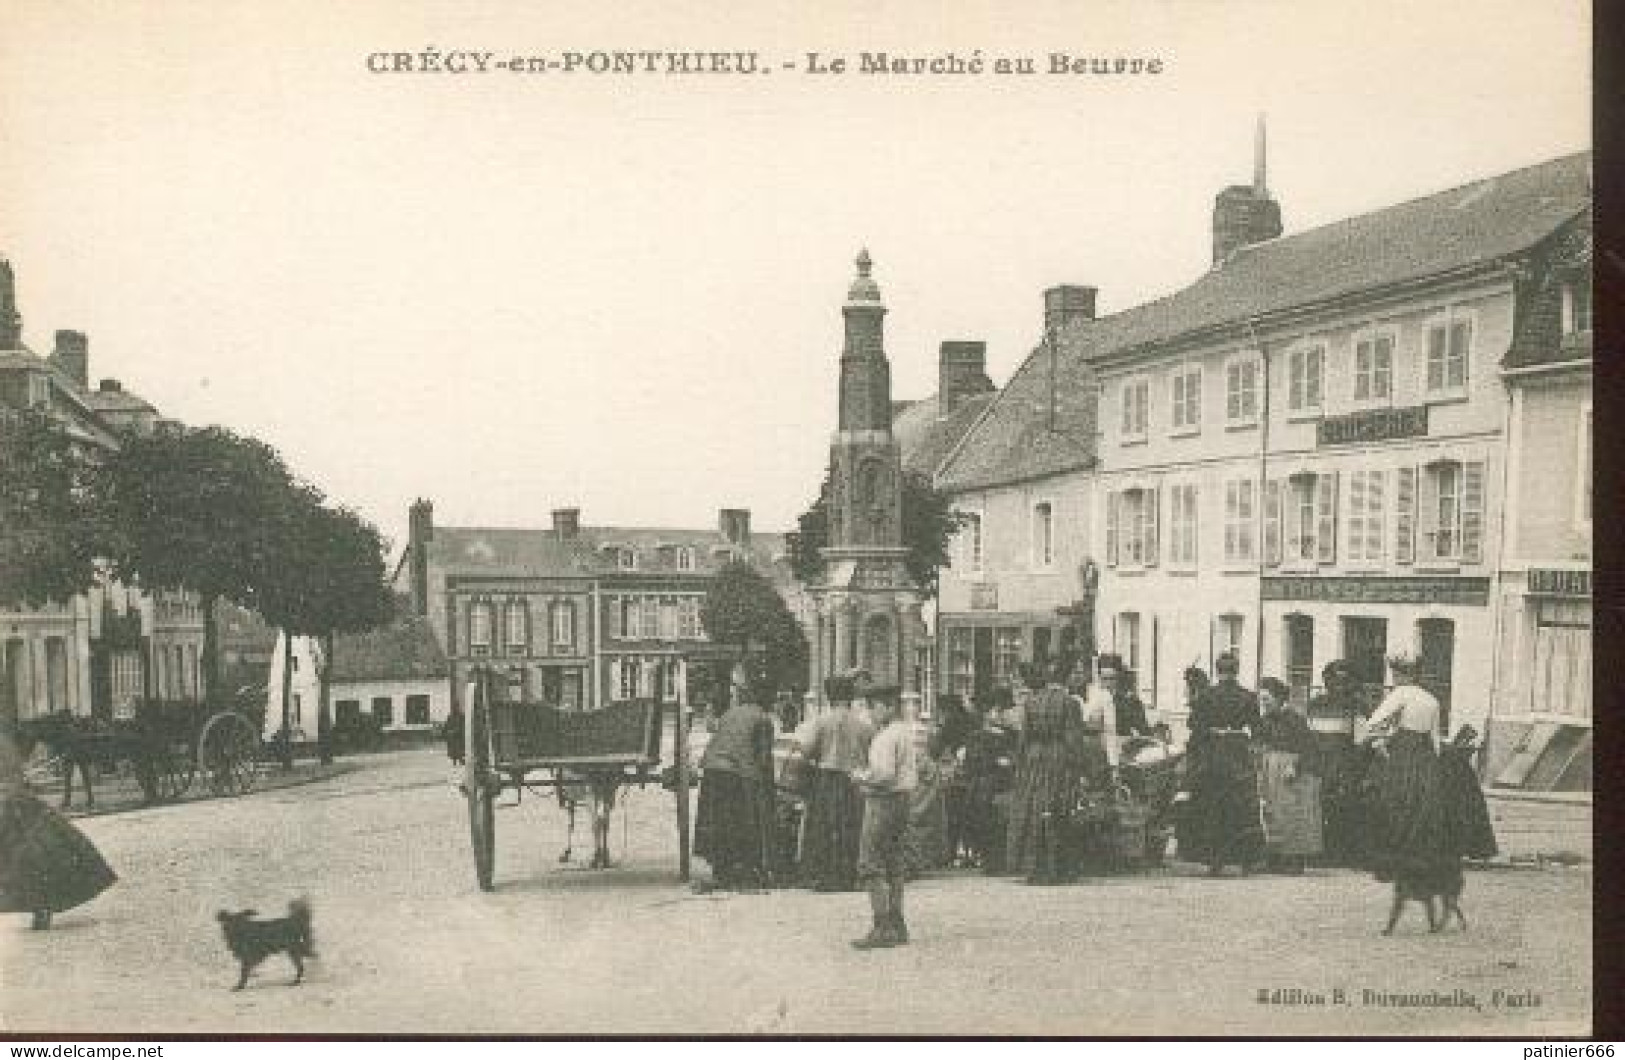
[(11, 322), (1066, 303), (961, 375), (420, 531), (1245, 214), (566, 523), (734, 523), (72, 356)]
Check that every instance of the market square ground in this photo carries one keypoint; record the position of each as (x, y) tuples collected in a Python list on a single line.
[(408, 944)]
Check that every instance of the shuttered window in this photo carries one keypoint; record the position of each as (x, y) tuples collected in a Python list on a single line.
[(1113, 504), (1238, 521), (1364, 536), (1326, 518), (1405, 517), (1272, 523), (1449, 353), (1451, 511)]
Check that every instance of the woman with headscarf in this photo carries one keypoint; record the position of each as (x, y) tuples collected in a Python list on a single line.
[(733, 829), (47, 866), (1408, 833), (1046, 776), (836, 748), (1287, 780)]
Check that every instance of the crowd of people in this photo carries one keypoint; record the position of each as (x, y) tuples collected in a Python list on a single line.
[(1014, 786)]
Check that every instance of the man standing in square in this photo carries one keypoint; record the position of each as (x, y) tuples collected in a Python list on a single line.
[(887, 784)]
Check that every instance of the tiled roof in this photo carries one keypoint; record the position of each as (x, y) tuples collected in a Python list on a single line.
[(117, 401), (927, 438), (404, 650), (537, 552), (1478, 224), (1538, 337)]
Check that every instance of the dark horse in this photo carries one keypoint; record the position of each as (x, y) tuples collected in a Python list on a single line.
[(91, 744)]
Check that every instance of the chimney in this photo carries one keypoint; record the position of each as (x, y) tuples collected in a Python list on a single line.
[(961, 375), (420, 531), (1245, 214), (566, 523), (1066, 303), (735, 526), (72, 356), (109, 386), (11, 322)]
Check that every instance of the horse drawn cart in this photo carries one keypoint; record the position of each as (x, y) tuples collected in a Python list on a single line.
[(513, 746), (165, 743)]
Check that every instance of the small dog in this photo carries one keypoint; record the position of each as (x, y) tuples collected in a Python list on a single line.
[(251, 941), (1444, 885)]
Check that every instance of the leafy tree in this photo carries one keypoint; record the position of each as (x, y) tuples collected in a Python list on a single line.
[(929, 524), (197, 509), (327, 577), (50, 528), (742, 609)]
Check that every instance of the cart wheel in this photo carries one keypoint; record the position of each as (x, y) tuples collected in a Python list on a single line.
[(229, 754), (480, 785)]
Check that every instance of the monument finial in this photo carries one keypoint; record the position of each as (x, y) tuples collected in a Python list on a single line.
[(865, 263), (864, 289)]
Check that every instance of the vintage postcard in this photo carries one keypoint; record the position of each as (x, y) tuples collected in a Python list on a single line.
[(1065, 518)]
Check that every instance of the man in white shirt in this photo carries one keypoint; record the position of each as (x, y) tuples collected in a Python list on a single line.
[(887, 783)]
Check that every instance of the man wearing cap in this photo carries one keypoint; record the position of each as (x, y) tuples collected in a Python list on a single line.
[(888, 782), (1332, 716)]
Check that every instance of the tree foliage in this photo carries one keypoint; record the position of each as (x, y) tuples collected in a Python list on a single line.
[(929, 524), (198, 509), (50, 525), (742, 609)]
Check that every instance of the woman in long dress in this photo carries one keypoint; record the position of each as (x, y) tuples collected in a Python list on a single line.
[(1287, 780), (1046, 776), (47, 866), (1406, 819), (733, 829), (1223, 825), (990, 756)]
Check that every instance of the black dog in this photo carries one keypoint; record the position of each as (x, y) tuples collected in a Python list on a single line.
[(1443, 885), (251, 941)]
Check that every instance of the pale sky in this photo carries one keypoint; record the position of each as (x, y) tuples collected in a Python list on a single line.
[(514, 293)]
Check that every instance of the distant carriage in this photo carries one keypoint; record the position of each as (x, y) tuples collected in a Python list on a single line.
[(165, 743)]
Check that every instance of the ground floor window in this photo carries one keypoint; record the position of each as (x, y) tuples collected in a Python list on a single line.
[(1299, 631), (383, 710), (346, 711), (1128, 639), (417, 710), (1006, 655), (961, 665), (1365, 649)]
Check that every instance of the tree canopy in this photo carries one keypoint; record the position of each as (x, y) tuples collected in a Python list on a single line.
[(52, 525), (742, 609), (929, 524)]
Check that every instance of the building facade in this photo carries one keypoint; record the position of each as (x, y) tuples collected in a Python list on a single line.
[(1298, 458), (1540, 735), (576, 616), (97, 654)]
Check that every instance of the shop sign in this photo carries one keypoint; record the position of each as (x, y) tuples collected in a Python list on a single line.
[(984, 596), (1547, 581), (1472, 592), (1373, 425)]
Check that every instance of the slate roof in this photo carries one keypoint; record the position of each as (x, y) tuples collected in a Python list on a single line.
[(538, 552), (404, 650), (926, 437), (1473, 226), (1538, 337)]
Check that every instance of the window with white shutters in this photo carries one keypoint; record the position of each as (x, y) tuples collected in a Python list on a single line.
[(1451, 511), (688, 618), (1136, 409), (1182, 538), (1238, 521), (1300, 518), (649, 626), (1472, 512), (1405, 515), (1306, 369), (1186, 387), (1272, 523), (479, 627), (1366, 515), (1241, 391), (1326, 518), (515, 622), (617, 617), (1374, 367), (668, 620), (563, 614), (1449, 353), (1113, 513)]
